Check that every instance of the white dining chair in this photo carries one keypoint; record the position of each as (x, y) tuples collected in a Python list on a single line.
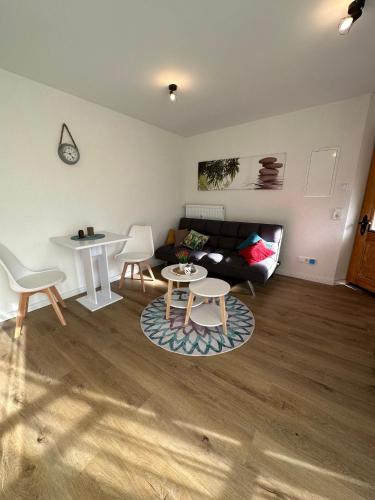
[(137, 251), (27, 282)]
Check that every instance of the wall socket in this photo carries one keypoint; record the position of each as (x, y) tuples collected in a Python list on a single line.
[(308, 260)]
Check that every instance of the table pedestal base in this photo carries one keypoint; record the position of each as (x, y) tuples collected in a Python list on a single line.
[(96, 300), (102, 300)]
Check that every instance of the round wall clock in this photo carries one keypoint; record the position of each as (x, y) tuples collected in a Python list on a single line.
[(68, 153)]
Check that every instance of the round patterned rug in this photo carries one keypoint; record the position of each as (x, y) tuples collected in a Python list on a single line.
[(193, 339)]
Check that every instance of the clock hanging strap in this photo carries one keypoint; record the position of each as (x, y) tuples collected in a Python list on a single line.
[(70, 135)]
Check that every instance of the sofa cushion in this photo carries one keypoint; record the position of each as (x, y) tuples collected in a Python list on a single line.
[(215, 257), (195, 240), (167, 253), (213, 227), (196, 224), (213, 241), (170, 237), (252, 239), (179, 236), (184, 223), (234, 260), (261, 271), (256, 253), (229, 229), (227, 243), (247, 228), (270, 233), (197, 256)]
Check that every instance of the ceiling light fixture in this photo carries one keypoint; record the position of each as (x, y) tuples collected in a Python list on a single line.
[(172, 89), (354, 13)]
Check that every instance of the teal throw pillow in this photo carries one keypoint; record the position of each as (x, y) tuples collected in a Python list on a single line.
[(251, 240)]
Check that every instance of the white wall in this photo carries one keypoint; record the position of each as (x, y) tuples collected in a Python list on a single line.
[(129, 173), (309, 229)]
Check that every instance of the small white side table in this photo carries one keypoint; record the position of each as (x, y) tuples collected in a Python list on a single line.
[(208, 314), (89, 249), (168, 274)]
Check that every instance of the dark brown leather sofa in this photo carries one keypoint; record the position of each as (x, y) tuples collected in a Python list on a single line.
[(219, 255)]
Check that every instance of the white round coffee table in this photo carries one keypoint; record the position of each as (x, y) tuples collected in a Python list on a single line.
[(208, 314), (181, 299)]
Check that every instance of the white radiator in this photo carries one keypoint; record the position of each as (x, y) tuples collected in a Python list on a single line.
[(205, 211)]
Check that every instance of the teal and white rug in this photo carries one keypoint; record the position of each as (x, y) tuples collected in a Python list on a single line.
[(193, 339)]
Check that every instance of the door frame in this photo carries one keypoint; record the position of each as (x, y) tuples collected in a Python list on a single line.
[(360, 240)]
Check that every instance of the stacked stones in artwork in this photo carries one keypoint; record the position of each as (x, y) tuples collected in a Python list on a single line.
[(268, 174)]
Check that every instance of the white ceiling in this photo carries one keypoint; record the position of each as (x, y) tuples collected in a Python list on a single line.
[(234, 60)]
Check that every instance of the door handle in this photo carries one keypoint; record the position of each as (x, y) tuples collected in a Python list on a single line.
[(364, 223)]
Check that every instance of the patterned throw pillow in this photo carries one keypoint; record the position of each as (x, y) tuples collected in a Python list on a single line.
[(195, 240)]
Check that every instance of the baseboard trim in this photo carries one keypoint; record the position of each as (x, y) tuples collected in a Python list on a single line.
[(342, 281), (43, 302), (307, 277)]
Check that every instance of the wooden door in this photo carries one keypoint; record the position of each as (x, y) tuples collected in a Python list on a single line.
[(362, 264)]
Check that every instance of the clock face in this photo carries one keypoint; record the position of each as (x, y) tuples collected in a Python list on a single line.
[(68, 153)]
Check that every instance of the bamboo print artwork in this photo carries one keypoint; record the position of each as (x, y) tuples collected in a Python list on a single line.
[(217, 174), (252, 172)]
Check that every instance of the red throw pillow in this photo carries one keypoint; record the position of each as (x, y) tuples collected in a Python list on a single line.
[(256, 253)]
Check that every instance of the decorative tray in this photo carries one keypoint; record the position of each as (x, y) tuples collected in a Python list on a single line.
[(177, 270), (87, 238)]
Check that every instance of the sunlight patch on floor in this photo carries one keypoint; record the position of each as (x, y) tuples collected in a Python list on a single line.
[(207, 432), (11, 441), (269, 485), (315, 468)]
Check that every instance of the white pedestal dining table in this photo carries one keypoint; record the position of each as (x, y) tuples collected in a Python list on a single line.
[(89, 250)]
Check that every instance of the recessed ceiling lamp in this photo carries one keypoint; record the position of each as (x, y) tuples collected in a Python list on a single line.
[(354, 12), (172, 89)]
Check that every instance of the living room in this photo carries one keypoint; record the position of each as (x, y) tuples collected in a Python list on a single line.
[(140, 359)]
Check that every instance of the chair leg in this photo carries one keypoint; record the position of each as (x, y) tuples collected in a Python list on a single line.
[(150, 272), (252, 289), (122, 278), (141, 276), (132, 271), (26, 304), (22, 310), (56, 293), (55, 306)]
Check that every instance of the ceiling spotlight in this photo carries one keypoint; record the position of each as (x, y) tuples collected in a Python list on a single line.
[(354, 12), (172, 89)]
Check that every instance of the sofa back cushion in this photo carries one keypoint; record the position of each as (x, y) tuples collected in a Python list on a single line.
[(229, 234)]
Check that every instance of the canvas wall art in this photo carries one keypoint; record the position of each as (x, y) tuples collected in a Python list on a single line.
[(251, 172)]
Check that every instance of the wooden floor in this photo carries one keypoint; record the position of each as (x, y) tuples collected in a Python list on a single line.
[(96, 411)]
